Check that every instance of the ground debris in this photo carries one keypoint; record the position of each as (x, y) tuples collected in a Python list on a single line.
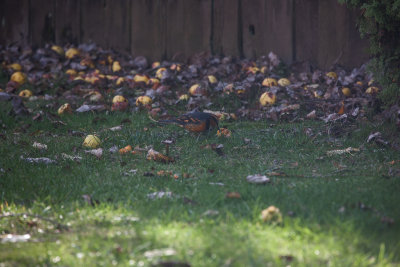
[(258, 179), (39, 160), (342, 151)]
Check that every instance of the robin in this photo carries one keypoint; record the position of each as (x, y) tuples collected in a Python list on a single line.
[(196, 122)]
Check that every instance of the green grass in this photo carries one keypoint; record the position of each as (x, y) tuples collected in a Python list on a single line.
[(126, 224)]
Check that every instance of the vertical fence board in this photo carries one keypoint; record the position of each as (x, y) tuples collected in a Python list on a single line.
[(67, 13), (267, 26), (146, 29), (278, 29), (225, 28), (14, 21), (306, 30), (188, 27), (253, 28), (326, 34), (42, 22), (322, 32), (117, 24), (93, 21), (332, 33)]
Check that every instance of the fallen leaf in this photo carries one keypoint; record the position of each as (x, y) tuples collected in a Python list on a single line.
[(377, 138), (342, 151), (334, 117), (96, 152), (311, 115), (74, 158), (224, 132), (116, 128), (341, 110), (158, 195), (258, 179), (125, 150), (113, 149), (157, 156), (233, 195), (86, 108), (39, 160), (39, 146), (219, 184)]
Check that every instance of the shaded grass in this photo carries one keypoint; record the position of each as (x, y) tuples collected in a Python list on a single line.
[(312, 188)]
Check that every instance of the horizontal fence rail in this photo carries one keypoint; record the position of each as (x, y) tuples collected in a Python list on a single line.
[(322, 32)]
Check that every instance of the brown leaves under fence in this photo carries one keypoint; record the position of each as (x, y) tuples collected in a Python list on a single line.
[(95, 75)]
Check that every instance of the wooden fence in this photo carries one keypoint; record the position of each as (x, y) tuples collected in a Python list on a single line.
[(320, 31)]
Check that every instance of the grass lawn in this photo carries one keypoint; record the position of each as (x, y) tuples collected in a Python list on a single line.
[(340, 210)]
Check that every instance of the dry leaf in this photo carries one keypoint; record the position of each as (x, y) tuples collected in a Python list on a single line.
[(377, 138), (342, 151), (39, 160), (233, 195), (74, 158), (224, 132), (96, 152), (258, 179), (125, 150), (86, 108), (157, 156), (116, 128), (312, 115), (39, 146), (158, 195)]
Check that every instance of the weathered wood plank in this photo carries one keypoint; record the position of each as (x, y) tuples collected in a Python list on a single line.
[(67, 14), (322, 32), (14, 22), (326, 34), (253, 27), (278, 29), (336, 35), (117, 24), (267, 26), (306, 30), (147, 29), (225, 28), (42, 22), (188, 27), (93, 21)]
